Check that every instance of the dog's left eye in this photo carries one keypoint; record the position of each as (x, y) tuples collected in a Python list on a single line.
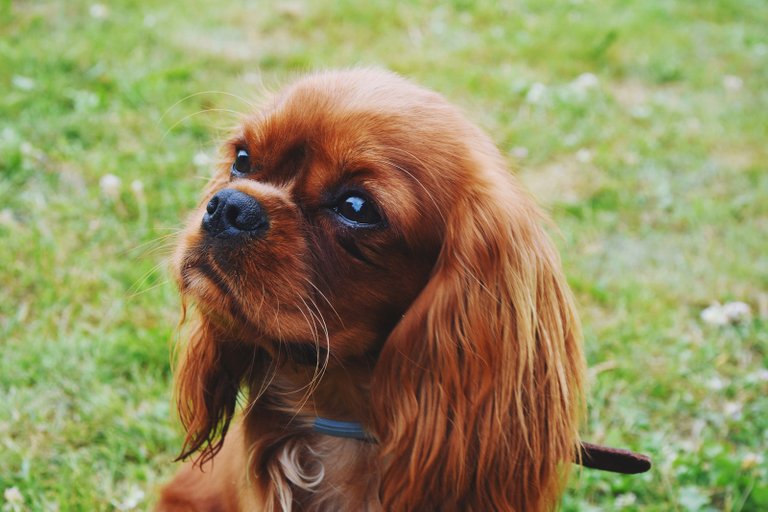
[(242, 163), (358, 210)]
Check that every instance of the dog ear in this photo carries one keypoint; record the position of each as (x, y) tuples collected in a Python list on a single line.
[(208, 378), (478, 390)]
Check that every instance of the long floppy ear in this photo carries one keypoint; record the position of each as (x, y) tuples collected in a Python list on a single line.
[(478, 392), (207, 380)]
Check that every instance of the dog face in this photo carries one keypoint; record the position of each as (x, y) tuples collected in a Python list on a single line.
[(326, 217)]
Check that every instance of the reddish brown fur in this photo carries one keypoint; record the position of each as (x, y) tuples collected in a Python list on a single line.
[(452, 338)]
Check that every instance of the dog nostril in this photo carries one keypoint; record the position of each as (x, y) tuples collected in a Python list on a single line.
[(212, 205), (232, 216)]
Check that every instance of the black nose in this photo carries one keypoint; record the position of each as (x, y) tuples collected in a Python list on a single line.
[(232, 213)]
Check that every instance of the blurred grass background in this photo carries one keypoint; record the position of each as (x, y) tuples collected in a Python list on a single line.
[(641, 125)]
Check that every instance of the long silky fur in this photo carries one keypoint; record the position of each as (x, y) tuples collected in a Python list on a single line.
[(479, 389)]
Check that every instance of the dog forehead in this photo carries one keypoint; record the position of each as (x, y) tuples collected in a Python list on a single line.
[(371, 126)]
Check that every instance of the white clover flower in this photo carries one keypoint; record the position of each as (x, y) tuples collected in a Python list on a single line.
[(640, 112), (716, 383), (13, 496), (536, 93), (732, 83), (626, 500), (110, 186), (733, 409), (201, 159), (736, 311), (570, 139), (137, 187), (714, 315), (23, 83), (131, 501), (751, 460), (150, 20), (98, 11), (585, 82), (584, 156)]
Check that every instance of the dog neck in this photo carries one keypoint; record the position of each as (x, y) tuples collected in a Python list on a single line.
[(300, 463), (336, 391)]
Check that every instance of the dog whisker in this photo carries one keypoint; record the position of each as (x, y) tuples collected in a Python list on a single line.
[(201, 93), (193, 114)]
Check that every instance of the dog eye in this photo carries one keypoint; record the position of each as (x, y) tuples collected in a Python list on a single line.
[(356, 209), (242, 163)]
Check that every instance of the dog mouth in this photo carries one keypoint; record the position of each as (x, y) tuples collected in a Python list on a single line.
[(202, 278), (203, 266)]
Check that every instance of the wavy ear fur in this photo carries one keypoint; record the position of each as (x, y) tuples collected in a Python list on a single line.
[(208, 378), (478, 390)]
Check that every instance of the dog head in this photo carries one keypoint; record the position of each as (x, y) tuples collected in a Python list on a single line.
[(357, 217)]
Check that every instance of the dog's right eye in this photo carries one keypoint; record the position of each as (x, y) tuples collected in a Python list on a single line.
[(355, 209), (242, 163)]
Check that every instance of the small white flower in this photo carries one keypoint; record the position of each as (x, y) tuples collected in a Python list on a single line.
[(733, 409), (8, 135), (693, 124), (714, 315), (201, 159), (716, 383), (23, 83), (6, 217), (519, 152), (137, 187), (732, 83), (751, 460), (736, 311), (585, 82), (98, 11), (13, 496), (31, 152), (132, 500), (570, 139), (536, 93), (110, 186), (626, 500), (631, 158), (584, 156), (640, 112)]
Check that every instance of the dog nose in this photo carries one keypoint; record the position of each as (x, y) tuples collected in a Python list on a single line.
[(231, 213)]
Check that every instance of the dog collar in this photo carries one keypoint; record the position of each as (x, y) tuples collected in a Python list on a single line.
[(345, 429), (591, 455)]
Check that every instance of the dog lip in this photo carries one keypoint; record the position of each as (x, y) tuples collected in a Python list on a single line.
[(208, 270)]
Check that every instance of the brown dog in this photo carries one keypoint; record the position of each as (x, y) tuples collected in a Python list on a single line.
[(364, 255)]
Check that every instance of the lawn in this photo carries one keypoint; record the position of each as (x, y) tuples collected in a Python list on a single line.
[(642, 126)]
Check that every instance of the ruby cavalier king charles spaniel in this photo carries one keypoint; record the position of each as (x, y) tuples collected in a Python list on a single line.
[(381, 321)]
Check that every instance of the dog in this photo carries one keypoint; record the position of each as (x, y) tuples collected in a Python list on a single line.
[(380, 321)]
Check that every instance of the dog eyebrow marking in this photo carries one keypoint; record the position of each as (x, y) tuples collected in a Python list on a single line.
[(294, 157)]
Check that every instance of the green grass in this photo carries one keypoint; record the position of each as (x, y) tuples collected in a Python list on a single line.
[(656, 176)]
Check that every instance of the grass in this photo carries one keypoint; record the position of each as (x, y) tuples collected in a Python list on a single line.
[(653, 167)]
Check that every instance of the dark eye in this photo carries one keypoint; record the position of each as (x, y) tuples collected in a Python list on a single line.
[(242, 163), (356, 209)]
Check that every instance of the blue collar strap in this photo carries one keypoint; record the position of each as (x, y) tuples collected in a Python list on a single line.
[(346, 429), (592, 455)]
